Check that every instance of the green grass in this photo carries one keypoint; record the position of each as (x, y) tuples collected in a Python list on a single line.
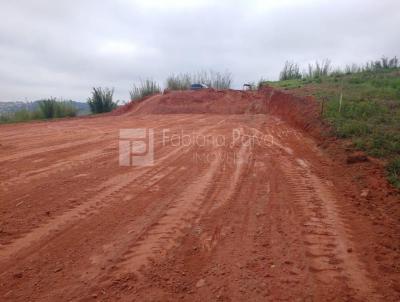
[(287, 84), (370, 111), (19, 116), (213, 79), (146, 88), (393, 172)]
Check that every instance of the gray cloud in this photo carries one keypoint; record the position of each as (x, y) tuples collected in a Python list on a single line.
[(63, 48)]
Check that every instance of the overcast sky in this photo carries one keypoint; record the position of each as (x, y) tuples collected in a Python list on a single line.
[(64, 48)]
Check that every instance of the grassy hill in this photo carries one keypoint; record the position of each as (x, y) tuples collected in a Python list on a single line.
[(368, 115)]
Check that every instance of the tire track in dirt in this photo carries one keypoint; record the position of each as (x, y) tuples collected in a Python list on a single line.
[(161, 236), (133, 208), (40, 150), (146, 212), (229, 186), (58, 167), (89, 207), (231, 182), (92, 205), (151, 223), (227, 242), (78, 201), (78, 143), (80, 160), (156, 241), (240, 158), (326, 237), (68, 170)]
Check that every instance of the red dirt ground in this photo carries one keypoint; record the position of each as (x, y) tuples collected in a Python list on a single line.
[(275, 216)]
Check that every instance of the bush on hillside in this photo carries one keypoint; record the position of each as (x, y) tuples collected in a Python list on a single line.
[(102, 100), (52, 108), (290, 71), (145, 88), (318, 70)]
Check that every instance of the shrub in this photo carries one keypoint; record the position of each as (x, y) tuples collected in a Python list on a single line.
[(65, 109), (48, 108), (290, 71), (146, 88), (51, 108), (319, 70), (179, 82), (216, 80), (101, 100)]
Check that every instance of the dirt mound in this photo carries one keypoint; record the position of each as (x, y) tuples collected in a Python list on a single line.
[(301, 112), (202, 101)]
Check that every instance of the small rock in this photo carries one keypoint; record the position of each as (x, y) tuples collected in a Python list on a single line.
[(200, 283), (349, 250), (364, 193)]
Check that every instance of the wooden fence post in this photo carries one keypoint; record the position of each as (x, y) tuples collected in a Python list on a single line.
[(341, 97)]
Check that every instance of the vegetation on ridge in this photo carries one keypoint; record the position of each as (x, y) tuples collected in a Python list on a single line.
[(362, 103)]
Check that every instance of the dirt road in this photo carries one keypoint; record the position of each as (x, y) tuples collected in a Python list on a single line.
[(247, 209)]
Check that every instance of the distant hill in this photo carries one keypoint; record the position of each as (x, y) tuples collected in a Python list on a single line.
[(10, 106)]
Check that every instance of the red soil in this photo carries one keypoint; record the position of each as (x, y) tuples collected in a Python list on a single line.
[(286, 219)]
